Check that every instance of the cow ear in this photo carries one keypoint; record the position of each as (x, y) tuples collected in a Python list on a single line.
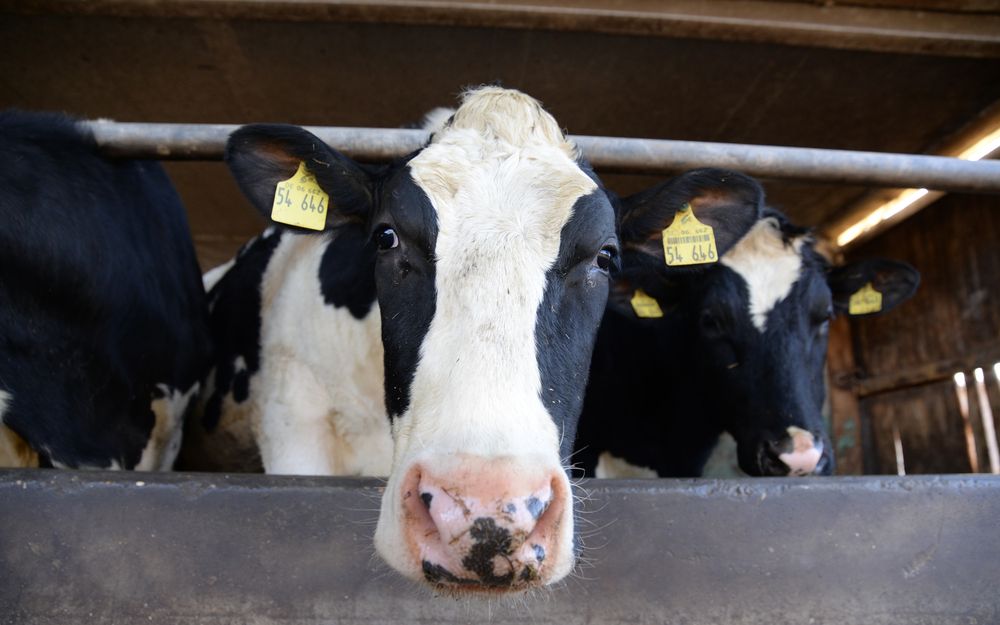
[(728, 201), (261, 156), (891, 283)]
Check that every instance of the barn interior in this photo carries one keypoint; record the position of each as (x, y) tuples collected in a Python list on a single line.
[(904, 76)]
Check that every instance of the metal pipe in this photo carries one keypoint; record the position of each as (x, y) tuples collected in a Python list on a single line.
[(608, 154)]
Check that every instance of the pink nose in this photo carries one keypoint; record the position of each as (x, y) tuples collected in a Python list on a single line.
[(805, 452), (487, 525)]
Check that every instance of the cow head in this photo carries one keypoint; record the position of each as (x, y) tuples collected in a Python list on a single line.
[(493, 245), (746, 336)]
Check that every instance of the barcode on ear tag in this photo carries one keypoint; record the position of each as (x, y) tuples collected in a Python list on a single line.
[(687, 241), (865, 300), (300, 201), (645, 306)]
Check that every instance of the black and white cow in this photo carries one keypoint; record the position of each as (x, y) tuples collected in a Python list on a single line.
[(740, 346), (103, 322), (482, 262)]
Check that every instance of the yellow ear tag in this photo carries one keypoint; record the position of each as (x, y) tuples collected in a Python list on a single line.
[(645, 306), (865, 300), (299, 201), (687, 241)]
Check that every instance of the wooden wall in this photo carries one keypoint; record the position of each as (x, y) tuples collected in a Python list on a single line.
[(904, 360)]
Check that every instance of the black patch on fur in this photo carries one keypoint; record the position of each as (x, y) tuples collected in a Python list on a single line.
[(347, 271), (576, 292), (100, 289), (405, 281), (235, 321)]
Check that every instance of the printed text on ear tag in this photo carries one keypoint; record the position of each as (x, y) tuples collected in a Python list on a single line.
[(299, 201), (687, 241), (645, 306), (866, 300)]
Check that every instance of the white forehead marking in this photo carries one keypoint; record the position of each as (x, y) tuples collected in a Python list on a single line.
[(503, 181), (768, 266)]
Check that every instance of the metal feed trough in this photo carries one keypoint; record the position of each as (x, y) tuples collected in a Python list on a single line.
[(218, 549)]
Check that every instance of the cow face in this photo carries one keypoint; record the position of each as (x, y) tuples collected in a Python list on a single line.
[(493, 244), (746, 337)]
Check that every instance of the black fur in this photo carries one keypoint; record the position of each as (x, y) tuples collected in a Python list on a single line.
[(575, 296), (235, 305), (100, 293), (663, 390)]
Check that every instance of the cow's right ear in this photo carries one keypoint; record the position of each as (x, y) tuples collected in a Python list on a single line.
[(728, 201), (262, 155)]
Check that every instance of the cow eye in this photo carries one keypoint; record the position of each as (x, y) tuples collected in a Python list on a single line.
[(606, 257), (710, 324), (822, 316), (386, 238)]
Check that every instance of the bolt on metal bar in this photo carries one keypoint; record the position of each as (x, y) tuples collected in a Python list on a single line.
[(607, 154)]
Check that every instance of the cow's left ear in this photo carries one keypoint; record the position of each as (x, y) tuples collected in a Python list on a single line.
[(727, 201), (871, 287), (260, 156)]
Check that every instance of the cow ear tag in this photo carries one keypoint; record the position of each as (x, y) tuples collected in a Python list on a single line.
[(865, 300), (645, 306), (687, 241), (299, 201)]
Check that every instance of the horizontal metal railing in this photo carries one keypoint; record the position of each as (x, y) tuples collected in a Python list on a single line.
[(607, 154)]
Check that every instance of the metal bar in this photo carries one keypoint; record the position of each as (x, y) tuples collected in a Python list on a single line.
[(217, 550), (609, 154), (902, 30)]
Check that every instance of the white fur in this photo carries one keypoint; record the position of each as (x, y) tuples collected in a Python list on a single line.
[(503, 182), (317, 404), (435, 119), (165, 437), (768, 266), (212, 276), (610, 466), (114, 465)]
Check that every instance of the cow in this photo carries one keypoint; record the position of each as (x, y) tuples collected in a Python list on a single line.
[(482, 262), (103, 320), (734, 344)]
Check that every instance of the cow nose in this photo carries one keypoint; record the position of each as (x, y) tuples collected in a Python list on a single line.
[(483, 529), (798, 454)]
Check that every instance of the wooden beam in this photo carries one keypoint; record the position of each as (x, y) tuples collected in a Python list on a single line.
[(953, 32), (845, 412), (927, 373), (984, 123)]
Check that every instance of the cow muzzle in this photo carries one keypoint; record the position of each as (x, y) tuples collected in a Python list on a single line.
[(798, 454), (488, 526)]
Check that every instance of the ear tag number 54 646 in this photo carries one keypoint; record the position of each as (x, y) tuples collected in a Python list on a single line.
[(687, 241), (300, 201)]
